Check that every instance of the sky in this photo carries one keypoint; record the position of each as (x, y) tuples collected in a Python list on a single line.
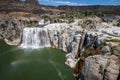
[(79, 2)]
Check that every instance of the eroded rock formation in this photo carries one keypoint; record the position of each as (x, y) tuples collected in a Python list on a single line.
[(102, 67), (11, 28), (80, 44)]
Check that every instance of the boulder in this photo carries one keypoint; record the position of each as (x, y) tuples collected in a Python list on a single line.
[(105, 49), (101, 68)]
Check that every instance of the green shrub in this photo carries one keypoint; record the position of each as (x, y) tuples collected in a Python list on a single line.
[(101, 69), (113, 40), (31, 24)]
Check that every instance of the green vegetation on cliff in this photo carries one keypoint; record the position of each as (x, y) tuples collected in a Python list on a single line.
[(101, 70)]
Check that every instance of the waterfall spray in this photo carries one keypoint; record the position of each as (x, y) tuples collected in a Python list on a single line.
[(35, 38)]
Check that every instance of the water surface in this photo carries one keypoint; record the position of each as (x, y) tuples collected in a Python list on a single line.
[(28, 64)]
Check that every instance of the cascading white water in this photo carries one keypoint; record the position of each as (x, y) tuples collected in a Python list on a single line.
[(35, 38)]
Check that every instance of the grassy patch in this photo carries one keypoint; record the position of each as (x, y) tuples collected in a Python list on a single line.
[(113, 40), (31, 25), (101, 69)]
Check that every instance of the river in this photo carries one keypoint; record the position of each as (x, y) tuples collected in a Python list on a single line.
[(32, 64)]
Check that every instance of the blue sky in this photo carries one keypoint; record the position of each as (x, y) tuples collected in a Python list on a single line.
[(79, 2)]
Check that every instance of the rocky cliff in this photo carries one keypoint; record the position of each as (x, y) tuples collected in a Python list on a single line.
[(104, 9), (91, 52), (11, 27), (35, 7), (33, 2), (31, 6), (80, 44), (101, 67)]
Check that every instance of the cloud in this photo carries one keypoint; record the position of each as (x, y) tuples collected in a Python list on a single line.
[(67, 3), (63, 2), (115, 2)]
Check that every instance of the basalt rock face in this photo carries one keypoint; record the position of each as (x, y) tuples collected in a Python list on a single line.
[(63, 37), (113, 22), (101, 67), (11, 29), (31, 6), (90, 52), (91, 23), (103, 9), (72, 40), (35, 2), (8, 1)]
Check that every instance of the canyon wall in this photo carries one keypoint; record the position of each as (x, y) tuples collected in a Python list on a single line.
[(11, 28), (33, 2), (89, 52), (104, 9), (31, 6), (37, 8)]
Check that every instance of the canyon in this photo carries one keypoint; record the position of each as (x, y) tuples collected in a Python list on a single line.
[(33, 6), (91, 44), (84, 44)]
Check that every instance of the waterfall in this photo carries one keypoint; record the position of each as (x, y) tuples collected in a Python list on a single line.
[(35, 38)]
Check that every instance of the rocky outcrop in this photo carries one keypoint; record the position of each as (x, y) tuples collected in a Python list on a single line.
[(91, 23), (113, 20), (31, 6), (72, 40), (80, 44), (102, 67), (11, 29), (103, 9), (116, 51), (33, 2)]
